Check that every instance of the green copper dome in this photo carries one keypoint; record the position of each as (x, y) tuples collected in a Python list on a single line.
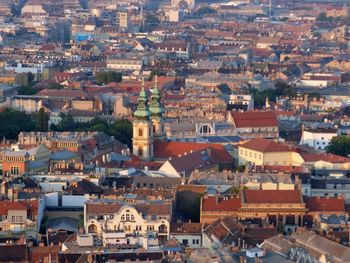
[(156, 107), (142, 111)]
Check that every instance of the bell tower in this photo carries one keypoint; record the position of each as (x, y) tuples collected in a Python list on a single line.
[(142, 144), (157, 111)]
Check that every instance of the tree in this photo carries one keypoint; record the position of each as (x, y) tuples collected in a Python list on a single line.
[(26, 90), (322, 17), (151, 21), (105, 77), (205, 10), (66, 124), (122, 131), (55, 86), (13, 122), (156, 72), (339, 145), (42, 120), (31, 77), (281, 88)]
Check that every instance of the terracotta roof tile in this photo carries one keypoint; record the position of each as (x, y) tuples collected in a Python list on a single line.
[(30, 206), (220, 204), (325, 204), (327, 157), (193, 228), (265, 145), (272, 196), (254, 119), (164, 150)]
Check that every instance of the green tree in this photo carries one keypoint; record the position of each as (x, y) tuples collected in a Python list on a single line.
[(280, 89), (13, 122), (55, 86), (66, 124), (151, 21), (339, 145), (203, 11), (42, 120), (122, 131), (156, 72), (322, 17), (31, 77), (26, 90), (43, 226), (105, 77)]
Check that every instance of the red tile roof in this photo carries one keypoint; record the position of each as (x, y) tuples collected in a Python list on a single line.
[(325, 204), (254, 119), (30, 206), (272, 196), (62, 93), (327, 157), (220, 204), (265, 145), (164, 150)]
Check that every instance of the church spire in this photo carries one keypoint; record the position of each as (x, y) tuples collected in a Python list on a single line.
[(142, 111), (156, 107)]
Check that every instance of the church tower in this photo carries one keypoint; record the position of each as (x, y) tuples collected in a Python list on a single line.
[(157, 111), (142, 144)]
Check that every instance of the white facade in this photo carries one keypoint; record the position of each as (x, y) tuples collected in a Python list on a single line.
[(127, 220), (26, 68), (243, 100), (125, 63), (26, 104), (189, 240), (317, 140)]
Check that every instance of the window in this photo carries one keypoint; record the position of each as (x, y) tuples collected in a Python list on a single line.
[(140, 151), (123, 217), (140, 132), (185, 242), (14, 170)]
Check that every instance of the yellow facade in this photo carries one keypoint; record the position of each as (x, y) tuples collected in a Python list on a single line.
[(288, 158), (143, 139)]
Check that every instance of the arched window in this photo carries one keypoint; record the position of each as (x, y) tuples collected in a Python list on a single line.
[(92, 228), (140, 151), (140, 132)]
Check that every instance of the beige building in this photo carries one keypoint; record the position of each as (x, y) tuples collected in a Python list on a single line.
[(107, 217), (268, 152), (20, 216)]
